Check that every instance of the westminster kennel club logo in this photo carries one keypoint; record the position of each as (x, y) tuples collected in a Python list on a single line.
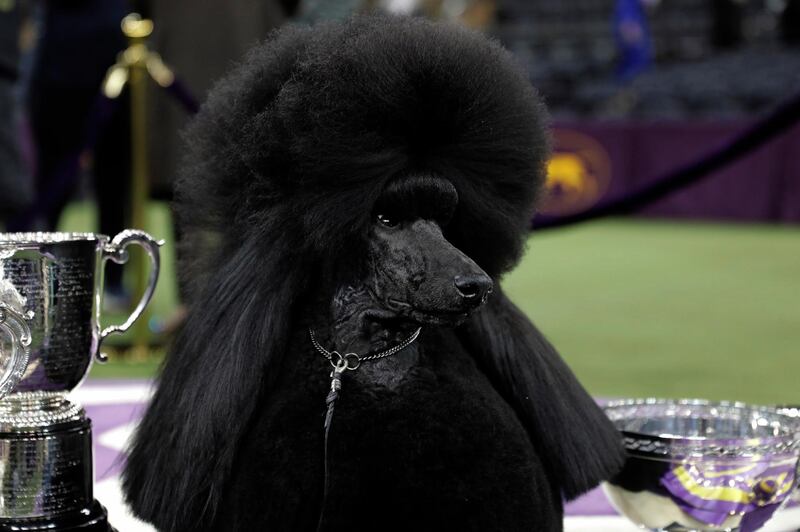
[(578, 173)]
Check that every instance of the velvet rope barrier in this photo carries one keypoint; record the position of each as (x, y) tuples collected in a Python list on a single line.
[(773, 124), (181, 93)]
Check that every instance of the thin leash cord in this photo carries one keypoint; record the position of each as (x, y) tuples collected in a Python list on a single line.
[(331, 402), (350, 361)]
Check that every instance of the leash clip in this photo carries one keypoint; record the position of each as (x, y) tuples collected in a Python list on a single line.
[(350, 361)]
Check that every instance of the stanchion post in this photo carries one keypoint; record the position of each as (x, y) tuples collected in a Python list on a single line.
[(137, 30), (132, 68)]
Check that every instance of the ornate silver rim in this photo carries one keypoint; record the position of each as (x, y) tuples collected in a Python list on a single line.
[(674, 447), (47, 238)]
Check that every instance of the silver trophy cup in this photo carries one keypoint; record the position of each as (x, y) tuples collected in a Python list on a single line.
[(50, 302)]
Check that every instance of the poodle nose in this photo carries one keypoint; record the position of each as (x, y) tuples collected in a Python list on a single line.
[(473, 287)]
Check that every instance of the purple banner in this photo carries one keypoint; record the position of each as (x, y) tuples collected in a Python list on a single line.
[(713, 492), (602, 161)]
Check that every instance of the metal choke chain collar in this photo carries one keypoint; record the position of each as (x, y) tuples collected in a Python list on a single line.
[(351, 361)]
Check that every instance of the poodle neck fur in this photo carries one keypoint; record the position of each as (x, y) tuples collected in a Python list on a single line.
[(353, 322), (357, 323)]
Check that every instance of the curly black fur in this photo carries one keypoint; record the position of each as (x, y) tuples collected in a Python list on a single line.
[(289, 159)]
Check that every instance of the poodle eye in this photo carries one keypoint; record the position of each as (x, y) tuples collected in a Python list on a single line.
[(387, 221)]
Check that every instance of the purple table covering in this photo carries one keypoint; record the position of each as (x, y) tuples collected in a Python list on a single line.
[(112, 416)]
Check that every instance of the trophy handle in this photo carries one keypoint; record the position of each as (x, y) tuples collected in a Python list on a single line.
[(116, 250), (14, 324)]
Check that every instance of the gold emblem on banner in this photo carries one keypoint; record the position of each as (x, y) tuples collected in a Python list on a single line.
[(578, 173)]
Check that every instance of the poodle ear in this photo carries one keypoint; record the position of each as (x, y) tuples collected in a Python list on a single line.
[(577, 443), (221, 363)]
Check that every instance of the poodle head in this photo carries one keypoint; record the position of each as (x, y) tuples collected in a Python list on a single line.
[(412, 272)]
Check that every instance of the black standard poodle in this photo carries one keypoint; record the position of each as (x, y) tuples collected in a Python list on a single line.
[(352, 194)]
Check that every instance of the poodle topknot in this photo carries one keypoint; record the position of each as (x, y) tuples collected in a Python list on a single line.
[(310, 128), (287, 162)]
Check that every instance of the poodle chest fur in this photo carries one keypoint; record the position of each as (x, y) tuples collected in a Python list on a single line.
[(437, 449)]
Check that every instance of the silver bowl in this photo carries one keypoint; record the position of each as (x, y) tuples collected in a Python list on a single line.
[(696, 465)]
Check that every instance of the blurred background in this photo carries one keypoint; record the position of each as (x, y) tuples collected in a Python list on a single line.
[(665, 260)]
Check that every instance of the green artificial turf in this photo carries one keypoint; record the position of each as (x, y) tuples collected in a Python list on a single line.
[(124, 365), (644, 308), (636, 307)]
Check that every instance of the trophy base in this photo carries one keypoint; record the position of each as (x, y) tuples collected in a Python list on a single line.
[(92, 519)]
